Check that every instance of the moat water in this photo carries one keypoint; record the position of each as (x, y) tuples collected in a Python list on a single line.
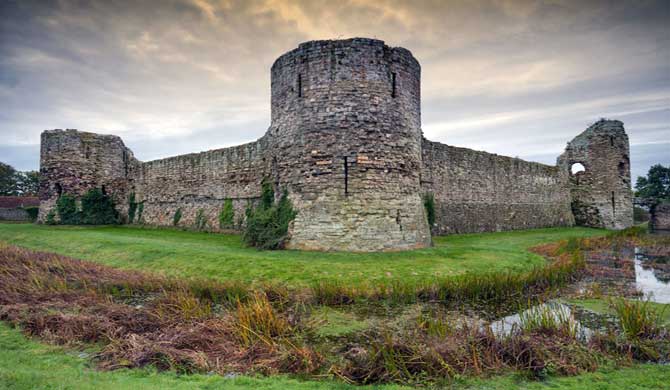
[(652, 276)]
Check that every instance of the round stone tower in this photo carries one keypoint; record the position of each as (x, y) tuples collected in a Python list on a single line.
[(346, 136)]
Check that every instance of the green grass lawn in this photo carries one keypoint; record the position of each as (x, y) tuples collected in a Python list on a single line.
[(29, 365), (225, 257)]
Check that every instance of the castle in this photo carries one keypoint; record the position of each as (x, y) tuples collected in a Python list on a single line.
[(345, 141)]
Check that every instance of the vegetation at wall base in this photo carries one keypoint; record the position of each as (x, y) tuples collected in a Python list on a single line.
[(227, 215), (132, 207), (32, 212), (429, 205), (176, 217), (267, 223), (66, 207), (97, 208), (140, 211), (200, 220)]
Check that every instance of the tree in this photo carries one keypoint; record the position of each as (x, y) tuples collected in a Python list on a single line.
[(13, 182), (7, 179), (28, 183), (656, 185)]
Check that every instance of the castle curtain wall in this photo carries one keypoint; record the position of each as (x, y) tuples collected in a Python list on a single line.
[(200, 181), (481, 192), (345, 141)]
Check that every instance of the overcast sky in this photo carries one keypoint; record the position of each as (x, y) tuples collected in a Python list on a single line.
[(519, 78)]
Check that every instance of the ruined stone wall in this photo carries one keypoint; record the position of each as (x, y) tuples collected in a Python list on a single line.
[(73, 162), (201, 181), (17, 214), (481, 192), (601, 193), (660, 217), (346, 117)]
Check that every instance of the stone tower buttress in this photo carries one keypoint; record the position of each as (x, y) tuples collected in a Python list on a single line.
[(346, 128)]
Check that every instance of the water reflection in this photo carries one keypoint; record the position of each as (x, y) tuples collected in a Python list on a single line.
[(651, 276)]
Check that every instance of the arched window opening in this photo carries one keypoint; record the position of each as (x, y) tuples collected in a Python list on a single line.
[(576, 168), (103, 190), (59, 189)]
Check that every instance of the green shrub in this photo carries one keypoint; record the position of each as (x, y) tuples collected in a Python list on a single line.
[(32, 212), (200, 220), (177, 217), (132, 207), (140, 210), (429, 204), (66, 207), (51, 217), (97, 208), (267, 224), (227, 215)]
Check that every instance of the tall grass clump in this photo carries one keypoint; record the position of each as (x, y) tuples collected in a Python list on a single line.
[(637, 319), (257, 320), (548, 319)]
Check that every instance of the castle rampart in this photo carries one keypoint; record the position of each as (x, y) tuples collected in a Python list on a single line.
[(481, 192), (345, 141)]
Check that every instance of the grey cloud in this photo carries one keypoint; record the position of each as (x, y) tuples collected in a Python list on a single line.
[(180, 76)]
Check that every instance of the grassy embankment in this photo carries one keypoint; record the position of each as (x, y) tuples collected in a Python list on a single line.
[(187, 254), (224, 257)]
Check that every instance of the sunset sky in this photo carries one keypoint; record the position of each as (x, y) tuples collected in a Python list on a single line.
[(519, 78)]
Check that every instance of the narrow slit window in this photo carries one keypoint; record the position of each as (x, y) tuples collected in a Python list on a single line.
[(613, 204), (346, 176), (393, 89), (299, 85)]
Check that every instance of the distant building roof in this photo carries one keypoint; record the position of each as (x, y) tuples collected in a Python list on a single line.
[(12, 202)]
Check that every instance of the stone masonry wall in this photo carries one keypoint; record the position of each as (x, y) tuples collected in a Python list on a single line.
[(346, 121), (481, 192), (660, 217), (14, 215), (601, 193), (201, 181), (73, 162)]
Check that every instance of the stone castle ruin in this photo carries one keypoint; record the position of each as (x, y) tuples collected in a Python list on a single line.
[(345, 141)]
